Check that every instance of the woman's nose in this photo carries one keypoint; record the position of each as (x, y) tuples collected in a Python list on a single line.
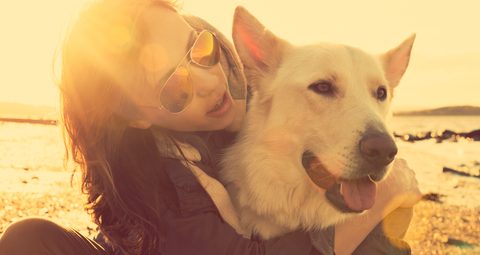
[(208, 81)]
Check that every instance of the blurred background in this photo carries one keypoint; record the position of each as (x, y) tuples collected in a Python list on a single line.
[(436, 106)]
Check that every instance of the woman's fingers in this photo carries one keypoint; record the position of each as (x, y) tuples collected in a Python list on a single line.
[(404, 183)]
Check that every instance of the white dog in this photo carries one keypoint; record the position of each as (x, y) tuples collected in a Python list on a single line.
[(315, 140)]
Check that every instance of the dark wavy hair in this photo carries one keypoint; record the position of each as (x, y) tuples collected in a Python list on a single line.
[(122, 173)]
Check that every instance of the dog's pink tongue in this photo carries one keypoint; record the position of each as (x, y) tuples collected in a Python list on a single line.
[(359, 194)]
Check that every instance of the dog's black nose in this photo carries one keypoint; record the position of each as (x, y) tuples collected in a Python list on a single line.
[(378, 148)]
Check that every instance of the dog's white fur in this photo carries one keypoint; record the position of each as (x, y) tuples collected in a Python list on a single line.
[(263, 171)]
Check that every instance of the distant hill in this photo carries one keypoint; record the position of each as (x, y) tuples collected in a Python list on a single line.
[(15, 110), (450, 110)]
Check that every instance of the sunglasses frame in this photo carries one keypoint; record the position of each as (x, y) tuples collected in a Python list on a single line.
[(183, 63)]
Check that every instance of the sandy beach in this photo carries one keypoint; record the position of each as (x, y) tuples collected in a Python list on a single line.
[(34, 184), (451, 224), (49, 195)]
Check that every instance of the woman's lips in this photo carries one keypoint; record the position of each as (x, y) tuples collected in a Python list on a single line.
[(220, 110)]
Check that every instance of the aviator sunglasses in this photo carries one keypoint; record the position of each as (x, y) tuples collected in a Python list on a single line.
[(177, 92)]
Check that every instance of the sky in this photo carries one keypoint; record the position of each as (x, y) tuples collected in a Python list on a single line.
[(444, 67)]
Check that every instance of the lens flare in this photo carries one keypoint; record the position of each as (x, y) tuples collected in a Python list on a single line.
[(153, 58)]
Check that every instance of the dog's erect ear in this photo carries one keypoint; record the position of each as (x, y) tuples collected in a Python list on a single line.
[(259, 49), (395, 61)]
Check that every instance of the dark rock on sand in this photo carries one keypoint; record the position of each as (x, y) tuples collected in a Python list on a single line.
[(439, 136), (459, 172), (434, 197), (474, 135), (459, 243), (447, 134)]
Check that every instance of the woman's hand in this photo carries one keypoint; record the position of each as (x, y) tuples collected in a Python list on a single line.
[(400, 188)]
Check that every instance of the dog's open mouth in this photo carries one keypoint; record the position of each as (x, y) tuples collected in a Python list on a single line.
[(352, 195)]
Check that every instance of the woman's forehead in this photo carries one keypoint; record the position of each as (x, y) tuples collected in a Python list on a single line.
[(165, 27), (166, 39), (165, 22)]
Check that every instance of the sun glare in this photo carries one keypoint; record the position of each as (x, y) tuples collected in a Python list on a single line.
[(445, 53)]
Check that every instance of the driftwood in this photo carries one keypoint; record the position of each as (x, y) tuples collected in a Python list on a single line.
[(31, 121), (461, 173), (459, 243)]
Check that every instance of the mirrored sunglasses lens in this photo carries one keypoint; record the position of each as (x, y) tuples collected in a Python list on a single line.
[(177, 92), (206, 50)]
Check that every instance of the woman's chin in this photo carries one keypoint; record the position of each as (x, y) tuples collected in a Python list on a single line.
[(226, 122)]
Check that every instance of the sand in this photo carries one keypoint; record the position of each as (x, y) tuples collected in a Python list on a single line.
[(43, 194), (444, 229), (25, 193), (34, 184)]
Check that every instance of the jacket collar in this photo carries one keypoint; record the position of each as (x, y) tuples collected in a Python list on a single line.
[(168, 149)]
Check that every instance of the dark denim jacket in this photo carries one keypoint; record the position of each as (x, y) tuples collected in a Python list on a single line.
[(196, 228)]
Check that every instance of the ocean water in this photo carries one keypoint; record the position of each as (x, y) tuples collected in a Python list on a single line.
[(428, 158), (26, 148), (40, 147)]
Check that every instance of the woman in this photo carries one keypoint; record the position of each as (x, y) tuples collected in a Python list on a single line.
[(145, 96)]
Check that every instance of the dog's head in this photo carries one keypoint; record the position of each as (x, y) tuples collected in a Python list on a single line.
[(334, 98)]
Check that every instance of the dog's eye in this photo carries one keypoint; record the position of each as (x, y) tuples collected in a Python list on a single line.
[(381, 93), (322, 87)]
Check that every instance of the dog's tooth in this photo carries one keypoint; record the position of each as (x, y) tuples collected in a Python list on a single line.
[(219, 102), (374, 177)]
